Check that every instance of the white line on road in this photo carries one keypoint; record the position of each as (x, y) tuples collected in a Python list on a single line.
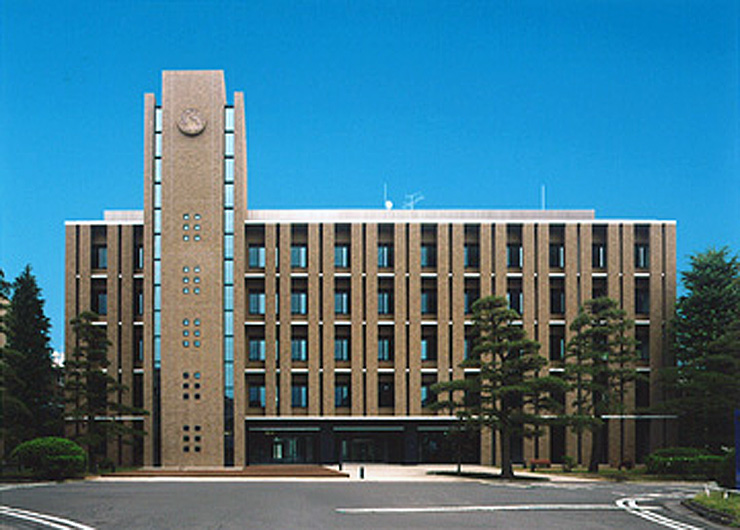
[(630, 506), (500, 508), (49, 521)]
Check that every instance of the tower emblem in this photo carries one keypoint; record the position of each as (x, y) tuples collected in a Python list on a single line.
[(191, 122)]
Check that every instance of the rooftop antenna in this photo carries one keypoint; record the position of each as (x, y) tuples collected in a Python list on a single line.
[(543, 197), (412, 199), (386, 202)]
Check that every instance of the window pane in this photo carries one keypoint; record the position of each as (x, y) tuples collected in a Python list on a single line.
[(229, 170), (229, 144), (229, 119), (157, 195), (229, 221), (229, 195)]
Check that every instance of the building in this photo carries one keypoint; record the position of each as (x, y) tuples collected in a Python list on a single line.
[(314, 335)]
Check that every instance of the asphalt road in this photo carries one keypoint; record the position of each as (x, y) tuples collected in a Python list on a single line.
[(356, 505)]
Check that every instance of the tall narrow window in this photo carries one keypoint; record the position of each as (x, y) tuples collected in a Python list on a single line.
[(256, 256), (341, 395), (257, 303), (341, 256), (385, 302), (642, 256), (598, 256), (100, 257), (385, 349), (256, 349), (428, 256), (385, 256), (299, 303), (298, 256), (557, 301), (514, 297), (557, 255), (341, 349), (299, 396), (514, 256), (341, 302), (471, 256), (299, 349)]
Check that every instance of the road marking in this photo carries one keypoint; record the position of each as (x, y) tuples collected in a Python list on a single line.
[(48, 521), (630, 506), (498, 508)]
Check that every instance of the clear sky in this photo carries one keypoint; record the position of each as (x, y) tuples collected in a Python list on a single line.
[(627, 107)]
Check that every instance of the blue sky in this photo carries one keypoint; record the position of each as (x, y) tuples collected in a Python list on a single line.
[(627, 107)]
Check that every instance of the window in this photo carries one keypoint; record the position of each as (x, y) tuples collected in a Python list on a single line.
[(256, 349), (471, 296), (299, 303), (642, 334), (139, 304), (256, 257), (341, 256), (341, 302), (385, 394), (471, 256), (557, 255), (100, 257), (514, 297), (139, 257), (427, 396), (514, 256), (428, 301), (341, 395), (428, 256), (642, 300), (298, 256), (642, 256), (257, 396), (341, 349), (257, 303), (385, 349), (557, 301), (598, 256), (557, 343), (299, 349), (467, 348), (385, 256), (385, 302), (428, 349), (299, 396), (101, 303)]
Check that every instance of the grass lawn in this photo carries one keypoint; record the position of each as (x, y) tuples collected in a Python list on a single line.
[(716, 501)]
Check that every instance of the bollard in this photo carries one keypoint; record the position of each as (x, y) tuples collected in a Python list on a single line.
[(362, 472)]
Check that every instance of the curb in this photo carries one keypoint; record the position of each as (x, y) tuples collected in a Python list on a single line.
[(708, 513)]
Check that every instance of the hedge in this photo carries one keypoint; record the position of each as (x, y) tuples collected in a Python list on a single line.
[(51, 457), (689, 461)]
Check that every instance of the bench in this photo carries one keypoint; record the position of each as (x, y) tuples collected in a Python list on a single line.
[(539, 462)]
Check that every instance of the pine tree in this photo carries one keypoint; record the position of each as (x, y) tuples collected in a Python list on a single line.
[(706, 378), (91, 411), (31, 397), (600, 361), (506, 395)]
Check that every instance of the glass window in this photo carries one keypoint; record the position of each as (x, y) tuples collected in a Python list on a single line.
[(385, 394), (557, 301), (385, 349), (467, 348), (598, 256), (428, 301), (157, 170), (385, 302), (158, 119), (157, 195), (139, 308), (557, 255), (385, 256), (228, 273), (514, 297), (427, 396), (341, 256), (642, 334), (341, 302), (642, 256), (299, 303), (471, 257), (557, 343), (229, 298), (158, 145), (229, 247), (229, 119), (299, 396), (229, 221), (428, 256), (257, 396), (471, 296), (257, 303), (229, 144), (341, 349), (101, 303), (229, 195), (428, 349), (139, 257), (514, 256), (256, 257), (642, 300), (299, 349), (298, 256), (100, 257), (341, 395), (229, 170)]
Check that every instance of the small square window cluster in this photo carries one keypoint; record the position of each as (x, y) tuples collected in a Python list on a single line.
[(187, 437), (187, 226)]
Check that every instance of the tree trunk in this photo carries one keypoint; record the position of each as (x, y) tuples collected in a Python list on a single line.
[(593, 466), (506, 469)]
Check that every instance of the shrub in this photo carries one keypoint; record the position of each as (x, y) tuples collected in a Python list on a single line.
[(701, 465), (685, 452), (51, 457), (726, 473)]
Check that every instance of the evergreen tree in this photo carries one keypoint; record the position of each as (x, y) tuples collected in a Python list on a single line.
[(706, 378), (600, 361), (506, 395), (30, 395), (90, 391)]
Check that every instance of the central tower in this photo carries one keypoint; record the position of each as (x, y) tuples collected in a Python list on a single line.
[(195, 199)]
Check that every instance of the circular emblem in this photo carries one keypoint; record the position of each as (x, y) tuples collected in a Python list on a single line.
[(191, 122)]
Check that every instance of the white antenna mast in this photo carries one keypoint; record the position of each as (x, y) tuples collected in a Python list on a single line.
[(543, 197), (412, 199), (387, 203)]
